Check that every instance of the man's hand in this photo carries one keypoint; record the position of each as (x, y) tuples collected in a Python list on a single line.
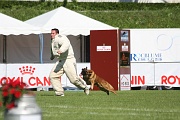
[(59, 52), (52, 57)]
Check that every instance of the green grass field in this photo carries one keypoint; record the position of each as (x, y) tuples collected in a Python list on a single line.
[(120, 15), (127, 105)]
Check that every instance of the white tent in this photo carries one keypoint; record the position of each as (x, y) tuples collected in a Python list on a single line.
[(68, 22), (72, 24), (15, 42), (12, 26)]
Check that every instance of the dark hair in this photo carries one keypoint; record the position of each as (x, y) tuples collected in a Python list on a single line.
[(55, 29)]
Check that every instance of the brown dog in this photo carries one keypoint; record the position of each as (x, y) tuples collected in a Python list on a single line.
[(92, 79)]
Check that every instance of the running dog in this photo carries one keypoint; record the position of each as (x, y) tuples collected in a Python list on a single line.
[(92, 79)]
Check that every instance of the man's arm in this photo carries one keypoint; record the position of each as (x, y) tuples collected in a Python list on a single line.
[(65, 43), (52, 56)]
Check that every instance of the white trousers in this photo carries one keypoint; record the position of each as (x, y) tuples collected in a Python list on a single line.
[(67, 66)]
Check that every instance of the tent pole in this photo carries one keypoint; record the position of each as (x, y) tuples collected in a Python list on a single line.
[(80, 47), (41, 40), (4, 49)]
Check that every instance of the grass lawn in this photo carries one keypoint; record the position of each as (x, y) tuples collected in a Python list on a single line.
[(127, 105), (120, 15)]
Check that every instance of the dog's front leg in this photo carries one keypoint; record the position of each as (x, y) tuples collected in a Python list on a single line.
[(92, 84)]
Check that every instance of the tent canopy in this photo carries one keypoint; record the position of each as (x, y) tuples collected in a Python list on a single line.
[(12, 26), (16, 43), (68, 22)]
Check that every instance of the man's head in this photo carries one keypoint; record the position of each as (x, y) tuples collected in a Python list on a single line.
[(54, 32)]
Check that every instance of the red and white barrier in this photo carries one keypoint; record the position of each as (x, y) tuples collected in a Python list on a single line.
[(34, 75), (37, 75)]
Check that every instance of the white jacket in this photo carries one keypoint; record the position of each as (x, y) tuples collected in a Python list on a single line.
[(62, 43)]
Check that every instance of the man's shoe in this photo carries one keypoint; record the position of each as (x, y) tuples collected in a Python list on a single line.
[(60, 95), (86, 90)]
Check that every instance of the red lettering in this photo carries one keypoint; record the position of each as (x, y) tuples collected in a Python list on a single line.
[(138, 80), (8, 79), (30, 81), (163, 79), (22, 79), (3, 80), (133, 80), (171, 80), (141, 80), (46, 81), (38, 81), (18, 79), (11, 79), (178, 79)]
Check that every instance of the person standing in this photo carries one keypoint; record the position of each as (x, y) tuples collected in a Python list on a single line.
[(62, 50)]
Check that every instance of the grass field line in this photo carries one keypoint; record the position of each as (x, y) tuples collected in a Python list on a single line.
[(117, 108), (56, 113)]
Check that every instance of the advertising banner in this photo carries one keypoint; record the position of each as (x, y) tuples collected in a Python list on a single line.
[(3, 69), (34, 75), (142, 74), (167, 74), (155, 45), (160, 74)]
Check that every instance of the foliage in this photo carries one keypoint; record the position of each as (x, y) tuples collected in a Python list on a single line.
[(91, 5), (121, 15), (138, 19), (12, 91)]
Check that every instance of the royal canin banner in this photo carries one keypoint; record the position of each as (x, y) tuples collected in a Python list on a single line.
[(34, 75), (165, 74), (37, 75)]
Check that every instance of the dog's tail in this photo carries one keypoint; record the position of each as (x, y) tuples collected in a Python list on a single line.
[(114, 92)]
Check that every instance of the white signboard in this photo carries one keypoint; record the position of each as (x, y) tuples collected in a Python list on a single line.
[(124, 48), (168, 74), (142, 74), (3, 70), (125, 82), (155, 45)]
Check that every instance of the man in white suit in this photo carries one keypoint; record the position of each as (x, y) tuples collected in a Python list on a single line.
[(62, 50)]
